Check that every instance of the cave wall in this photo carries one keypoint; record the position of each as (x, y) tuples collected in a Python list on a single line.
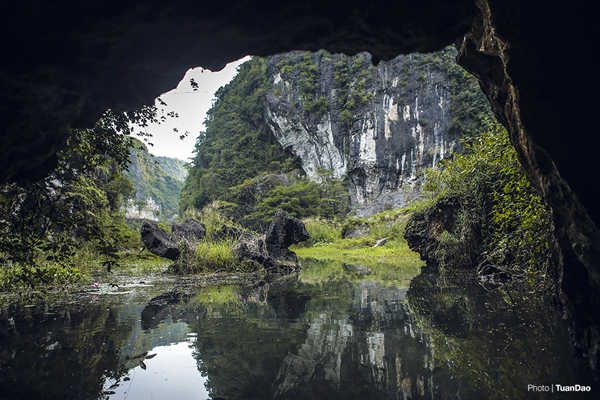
[(62, 67), (531, 64)]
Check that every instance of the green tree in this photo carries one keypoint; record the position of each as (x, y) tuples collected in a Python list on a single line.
[(237, 145), (79, 201)]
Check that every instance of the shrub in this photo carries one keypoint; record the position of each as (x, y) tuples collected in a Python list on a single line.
[(482, 207), (346, 118)]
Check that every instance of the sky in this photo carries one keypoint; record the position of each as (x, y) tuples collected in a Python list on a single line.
[(192, 107)]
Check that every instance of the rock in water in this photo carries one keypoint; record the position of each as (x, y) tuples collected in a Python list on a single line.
[(272, 253), (251, 248), (283, 232), (158, 241)]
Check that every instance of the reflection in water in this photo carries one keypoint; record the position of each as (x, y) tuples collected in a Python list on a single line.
[(496, 341), (169, 372), (335, 331)]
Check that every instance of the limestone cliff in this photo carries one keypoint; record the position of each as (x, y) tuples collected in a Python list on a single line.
[(378, 125)]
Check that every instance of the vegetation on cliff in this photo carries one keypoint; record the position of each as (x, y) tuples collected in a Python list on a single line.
[(470, 109), (355, 82), (482, 208), (237, 144)]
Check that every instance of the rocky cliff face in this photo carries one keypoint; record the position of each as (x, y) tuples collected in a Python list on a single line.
[(378, 125)]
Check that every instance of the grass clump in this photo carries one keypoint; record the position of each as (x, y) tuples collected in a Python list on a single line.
[(213, 253), (214, 256)]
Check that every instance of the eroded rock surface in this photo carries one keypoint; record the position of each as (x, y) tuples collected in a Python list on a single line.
[(158, 241), (283, 232), (189, 230), (272, 252)]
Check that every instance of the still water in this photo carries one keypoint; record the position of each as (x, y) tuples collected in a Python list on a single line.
[(335, 331)]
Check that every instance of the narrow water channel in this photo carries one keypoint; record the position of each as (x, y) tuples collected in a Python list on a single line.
[(335, 331)]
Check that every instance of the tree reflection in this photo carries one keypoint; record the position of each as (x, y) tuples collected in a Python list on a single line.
[(60, 356), (497, 341)]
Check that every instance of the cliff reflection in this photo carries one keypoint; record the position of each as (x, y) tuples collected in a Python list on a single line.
[(334, 331), (298, 338)]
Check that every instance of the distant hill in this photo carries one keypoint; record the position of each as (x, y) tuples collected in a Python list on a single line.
[(158, 182), (173, 166)]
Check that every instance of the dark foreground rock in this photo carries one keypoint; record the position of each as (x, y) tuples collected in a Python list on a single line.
[(272, 252), (283, 232), (168, 245), (158, 241), (189, 230)]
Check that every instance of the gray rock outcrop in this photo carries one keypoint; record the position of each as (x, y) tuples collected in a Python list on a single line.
[(400, 120), (158, 241), (272, 252)]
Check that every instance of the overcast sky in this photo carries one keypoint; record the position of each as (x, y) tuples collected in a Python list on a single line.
[(191, 107)]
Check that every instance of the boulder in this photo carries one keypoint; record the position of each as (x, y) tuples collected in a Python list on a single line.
[(189, 230), (158, 241), (272, 252), (283, 232), (251, 248)]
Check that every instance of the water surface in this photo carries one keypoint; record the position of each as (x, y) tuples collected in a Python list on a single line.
[(334, 331)]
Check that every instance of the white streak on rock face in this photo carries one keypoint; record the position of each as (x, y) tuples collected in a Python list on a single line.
[(316, 148), (368, 143), (385, 145), (406, 112), (391, 116)]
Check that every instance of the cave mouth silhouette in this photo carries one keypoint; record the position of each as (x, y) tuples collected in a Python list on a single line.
[(62, 67)]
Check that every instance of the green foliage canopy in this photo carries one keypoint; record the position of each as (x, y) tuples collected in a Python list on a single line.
[(237, 144)]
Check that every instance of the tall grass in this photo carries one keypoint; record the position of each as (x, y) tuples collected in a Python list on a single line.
[(208, 257), (212, 218), (322, 232)]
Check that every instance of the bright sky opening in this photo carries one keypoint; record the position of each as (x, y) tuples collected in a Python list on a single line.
[(192, 107)]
